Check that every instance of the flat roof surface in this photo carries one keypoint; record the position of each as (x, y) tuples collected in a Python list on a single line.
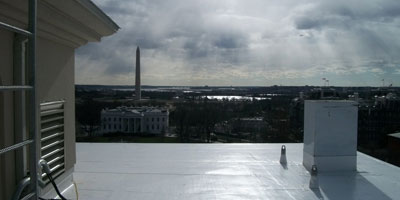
[(220, 171)]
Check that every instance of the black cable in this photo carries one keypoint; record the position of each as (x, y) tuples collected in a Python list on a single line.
[(55, 187), (46, 168)]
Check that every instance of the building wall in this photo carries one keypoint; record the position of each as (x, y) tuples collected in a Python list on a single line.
[(375, 122), (154, 124), (55, 78), (149, 123), (114, 122), (394, 150), (55, 81)]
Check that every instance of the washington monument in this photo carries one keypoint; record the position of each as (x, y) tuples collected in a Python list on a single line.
[(137, 81)]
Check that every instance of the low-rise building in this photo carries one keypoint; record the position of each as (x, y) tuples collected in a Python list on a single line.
[(378, 119), (394, 148), (250, 124), (150, 120)]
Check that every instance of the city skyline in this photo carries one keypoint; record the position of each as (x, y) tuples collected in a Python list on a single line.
[(256, 43)]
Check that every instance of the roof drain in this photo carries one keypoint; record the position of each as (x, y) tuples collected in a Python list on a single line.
[(43, 164)]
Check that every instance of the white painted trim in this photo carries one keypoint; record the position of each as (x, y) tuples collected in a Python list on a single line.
[(59, 25), (99, 13)]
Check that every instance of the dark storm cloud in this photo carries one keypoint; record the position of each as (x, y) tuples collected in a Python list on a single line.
[(108, 56), (349, 13), (163, 26), (195, 49), (230, 42), (369, 27), (214, 44), (256, 40)]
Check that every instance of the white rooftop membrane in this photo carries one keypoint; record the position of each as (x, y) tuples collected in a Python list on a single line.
[(220, 171)]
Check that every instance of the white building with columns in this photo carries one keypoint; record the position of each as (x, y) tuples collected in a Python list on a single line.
[(148, 120)]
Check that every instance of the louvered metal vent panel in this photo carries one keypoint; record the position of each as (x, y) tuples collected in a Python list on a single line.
[(52, 137)]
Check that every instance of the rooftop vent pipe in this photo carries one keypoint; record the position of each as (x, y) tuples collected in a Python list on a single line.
[(330, 135), (283, 159), (314, 178)]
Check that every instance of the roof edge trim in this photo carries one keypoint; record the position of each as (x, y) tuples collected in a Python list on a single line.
[(89, 5)]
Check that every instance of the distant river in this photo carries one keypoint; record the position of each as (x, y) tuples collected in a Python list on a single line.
[(220, 98)]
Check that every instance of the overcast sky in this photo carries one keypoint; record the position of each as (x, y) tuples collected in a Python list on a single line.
[(247, 42)]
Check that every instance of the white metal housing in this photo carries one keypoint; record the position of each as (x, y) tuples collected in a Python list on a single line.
[(330, 135)]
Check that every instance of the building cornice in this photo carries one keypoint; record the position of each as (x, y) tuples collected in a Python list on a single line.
[(89, 5), (71, 22)]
